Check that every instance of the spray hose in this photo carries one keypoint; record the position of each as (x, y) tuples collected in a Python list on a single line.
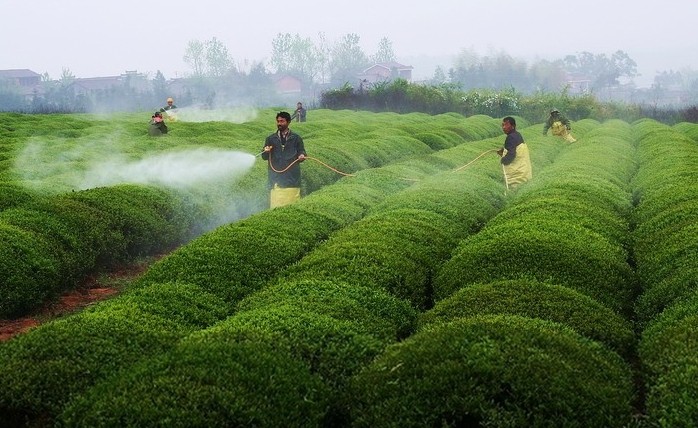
[(307, 157), (352, 175), (478, 157)]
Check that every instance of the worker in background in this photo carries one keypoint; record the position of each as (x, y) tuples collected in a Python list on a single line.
[(170, 109), (299, 114), (515, 158), (157, 126), (560, 126), (284, 150)]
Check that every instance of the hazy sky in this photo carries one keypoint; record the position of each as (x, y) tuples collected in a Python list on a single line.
[(106, 38)]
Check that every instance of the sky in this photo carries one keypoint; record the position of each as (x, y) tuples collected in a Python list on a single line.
[(93, 39)]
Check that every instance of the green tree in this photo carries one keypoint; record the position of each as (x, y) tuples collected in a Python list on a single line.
[(218, 59), (159, 86), (297, 56), (439, 76), (385, 53), (194, 57), (603, 71), (347, 59)]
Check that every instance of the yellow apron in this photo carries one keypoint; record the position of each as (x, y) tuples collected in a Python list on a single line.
[(561, 130), (519, 170), (281, 196)]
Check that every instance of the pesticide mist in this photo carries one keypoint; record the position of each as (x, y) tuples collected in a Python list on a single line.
[(202, 114), (181, 169)]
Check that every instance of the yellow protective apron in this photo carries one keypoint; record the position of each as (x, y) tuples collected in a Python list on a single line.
[(519, 170), (281, 196), (561, 130)]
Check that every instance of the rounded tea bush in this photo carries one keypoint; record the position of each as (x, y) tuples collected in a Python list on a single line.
[(379, 314), (534, 299), (494, 371), (242, 379)]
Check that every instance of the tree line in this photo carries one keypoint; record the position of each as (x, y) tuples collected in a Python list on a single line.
[(217, 79)]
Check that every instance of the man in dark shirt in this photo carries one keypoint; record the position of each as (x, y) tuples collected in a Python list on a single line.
[(284, 150), (299, 114), (515, 158)]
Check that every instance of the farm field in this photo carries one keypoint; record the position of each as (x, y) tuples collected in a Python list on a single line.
[(408, 287)]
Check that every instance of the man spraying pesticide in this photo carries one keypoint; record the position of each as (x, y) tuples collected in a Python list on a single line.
[(170, 110), (515, 159), (560, 126), (284, 150)]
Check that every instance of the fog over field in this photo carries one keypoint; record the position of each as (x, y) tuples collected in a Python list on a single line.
[(107, 38)]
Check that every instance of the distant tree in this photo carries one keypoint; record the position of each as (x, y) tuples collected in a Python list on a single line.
[(159, 84), (324, 51), (548, 75), (439, 76), (667, 79), (67, 77), (297, 56), (385, 52), (194, 56), (218, 59), (602, 70), (347, 59), (497, 71)]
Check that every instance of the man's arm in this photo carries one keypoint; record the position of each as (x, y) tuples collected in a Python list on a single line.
[(510, 146)]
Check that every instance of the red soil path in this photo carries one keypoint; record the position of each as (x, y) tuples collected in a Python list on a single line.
[(92, 289)]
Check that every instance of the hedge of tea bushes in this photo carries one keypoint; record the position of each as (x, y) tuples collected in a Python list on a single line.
[(283, 222), (44, 367), (665, 217), (397, 387), (688, 129), (665, 244), (236, 259), (229, 263), (424, 222), (349, 199), (556, 246), (53, 242), (135, 236), (325, 331), (534, 299), (669, 357), (494, 370)]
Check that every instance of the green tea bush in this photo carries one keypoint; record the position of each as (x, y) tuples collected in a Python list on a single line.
[(494, 371), (74, 256), (674, 287), (27, 265), (378, 313), (534, 299), (688, 129), (236, 377), (236, 259), (365, 254), (13, 195), (467, 206), (332, 348), (669, 355), (435, 140), (143, 218), (43, 369), (546, 250), (594, 217), (665, 216)]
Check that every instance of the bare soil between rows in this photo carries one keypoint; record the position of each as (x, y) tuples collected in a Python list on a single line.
[(91, 290)]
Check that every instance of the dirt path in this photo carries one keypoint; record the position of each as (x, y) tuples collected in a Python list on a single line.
[(92, 289)]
